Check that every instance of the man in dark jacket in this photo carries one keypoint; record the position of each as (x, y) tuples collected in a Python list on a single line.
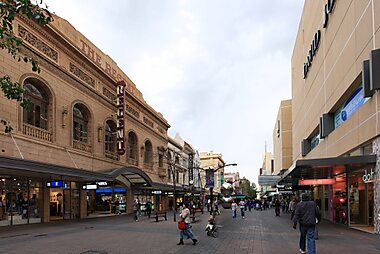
[(307, 214)]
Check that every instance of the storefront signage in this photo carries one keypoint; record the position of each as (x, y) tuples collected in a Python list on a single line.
[(54, 184), (329, 7), (313, 50), (368, 177), (327, 181), (90, 187), (102, 183), (120, 105), (350, 106)]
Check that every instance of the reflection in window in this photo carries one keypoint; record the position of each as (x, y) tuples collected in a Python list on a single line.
[(80, 124), (132, 146), (148, 158), (37, 114), (110, 136)]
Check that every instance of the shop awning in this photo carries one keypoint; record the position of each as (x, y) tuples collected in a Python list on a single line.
[(133, 175), (39, 169), (324, 167), (268, 180)]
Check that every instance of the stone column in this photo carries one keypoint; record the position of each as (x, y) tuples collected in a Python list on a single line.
[(376, 186)]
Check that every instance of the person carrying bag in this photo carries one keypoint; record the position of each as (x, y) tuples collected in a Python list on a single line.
[(185, 231)]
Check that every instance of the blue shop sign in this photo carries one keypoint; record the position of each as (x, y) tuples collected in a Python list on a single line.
[(352, 104), (109, 190)]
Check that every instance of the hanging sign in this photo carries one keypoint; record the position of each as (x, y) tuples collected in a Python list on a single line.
[(120, 105)]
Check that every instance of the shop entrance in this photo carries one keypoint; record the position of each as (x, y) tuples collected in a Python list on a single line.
[(64, 200), (361, 200)]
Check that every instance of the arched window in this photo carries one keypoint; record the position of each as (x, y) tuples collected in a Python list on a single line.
[(80, 123), (38, 113), (132, 146), (110, 137), (148, 156)]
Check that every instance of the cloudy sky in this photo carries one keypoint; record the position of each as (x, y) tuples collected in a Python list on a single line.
[(216, 69)]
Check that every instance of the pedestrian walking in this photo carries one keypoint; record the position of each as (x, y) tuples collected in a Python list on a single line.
[(277, 205), (292, 207), (233, 208), (186, 233), (242, 208), (135, 210), (307, 213)]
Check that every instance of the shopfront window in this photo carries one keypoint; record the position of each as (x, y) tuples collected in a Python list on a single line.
[(361, 197), (20, 200), (340, 199)]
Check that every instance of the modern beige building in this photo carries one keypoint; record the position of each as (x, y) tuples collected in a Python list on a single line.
[(335, 110), (211, 162), (282, 138), (64, 158)]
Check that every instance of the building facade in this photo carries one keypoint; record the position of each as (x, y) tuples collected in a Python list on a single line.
[(85, 145), (282, 138), (335, 112), (210, 162)]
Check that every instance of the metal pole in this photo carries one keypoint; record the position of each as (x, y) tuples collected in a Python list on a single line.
[(211, 200), (174, 197)]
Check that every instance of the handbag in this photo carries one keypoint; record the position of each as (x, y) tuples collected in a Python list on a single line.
[(181, 225)]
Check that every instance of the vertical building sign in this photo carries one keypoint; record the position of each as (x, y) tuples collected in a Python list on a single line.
[(191, 168), (120, 105)]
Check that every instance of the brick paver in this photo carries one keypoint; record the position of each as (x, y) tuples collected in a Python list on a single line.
[(260, 233)]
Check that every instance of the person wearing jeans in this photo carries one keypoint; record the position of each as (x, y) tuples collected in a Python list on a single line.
[(306, 214)]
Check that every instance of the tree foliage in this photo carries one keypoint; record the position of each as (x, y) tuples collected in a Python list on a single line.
[(248, 189), (9, 9)]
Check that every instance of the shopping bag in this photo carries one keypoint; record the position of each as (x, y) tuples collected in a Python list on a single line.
[(181, 225)]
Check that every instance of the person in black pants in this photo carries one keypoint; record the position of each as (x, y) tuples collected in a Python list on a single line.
[(307, 214)]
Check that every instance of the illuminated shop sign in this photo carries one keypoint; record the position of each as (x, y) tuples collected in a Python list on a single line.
[(90, 187), (329, 7), (109, 190), (327, 181), (104, 183), (120, 105), (54, 184), (368, 177), (57, 184), (353, 103)]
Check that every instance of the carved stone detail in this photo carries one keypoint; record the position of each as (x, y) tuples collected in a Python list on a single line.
[(110, 95), (37, 43), (83, 76)]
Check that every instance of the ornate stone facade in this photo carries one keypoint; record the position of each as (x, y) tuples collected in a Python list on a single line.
[(376, 186)]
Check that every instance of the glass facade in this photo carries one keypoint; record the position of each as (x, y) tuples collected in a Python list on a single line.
[(21, 200)]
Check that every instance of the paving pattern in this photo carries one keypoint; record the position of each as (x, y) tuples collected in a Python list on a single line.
[(261, 232)]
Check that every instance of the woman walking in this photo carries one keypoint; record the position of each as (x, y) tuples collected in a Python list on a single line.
[(186, 233)]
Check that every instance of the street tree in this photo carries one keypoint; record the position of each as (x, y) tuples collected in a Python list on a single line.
[(248, 189), (9, 10)]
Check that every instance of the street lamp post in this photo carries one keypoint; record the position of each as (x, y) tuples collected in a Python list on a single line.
[(212, 187)]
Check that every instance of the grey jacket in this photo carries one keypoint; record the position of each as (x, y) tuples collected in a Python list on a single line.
[(306, 213)]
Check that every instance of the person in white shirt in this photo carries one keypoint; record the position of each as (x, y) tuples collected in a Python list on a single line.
[(233, 208), (242, 208)]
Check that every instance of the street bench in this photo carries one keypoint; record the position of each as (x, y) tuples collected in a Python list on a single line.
[(160, 214)]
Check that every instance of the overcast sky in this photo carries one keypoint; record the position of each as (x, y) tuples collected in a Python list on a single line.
[(216, 69)]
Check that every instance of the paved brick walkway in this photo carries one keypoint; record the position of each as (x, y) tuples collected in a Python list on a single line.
[(259, 233)]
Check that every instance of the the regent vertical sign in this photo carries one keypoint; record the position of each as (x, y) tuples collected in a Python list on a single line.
[(120, 105), (329, 7)]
